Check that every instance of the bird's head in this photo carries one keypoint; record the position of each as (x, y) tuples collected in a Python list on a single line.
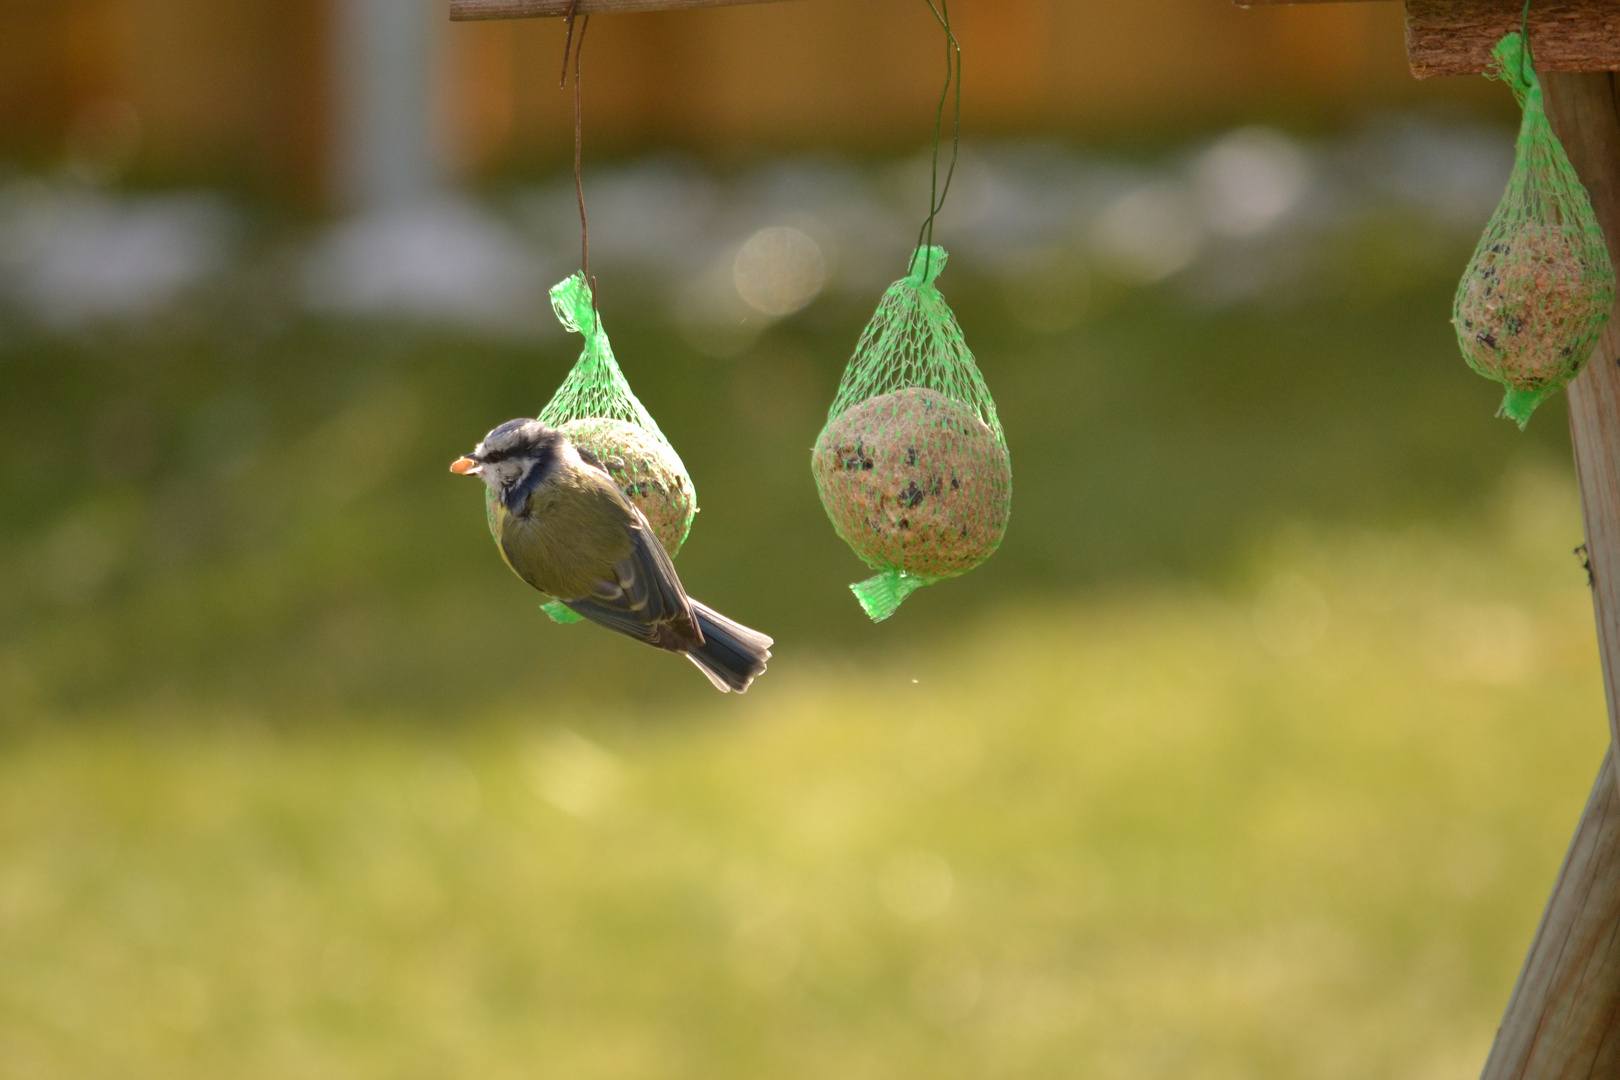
[(513, 459)]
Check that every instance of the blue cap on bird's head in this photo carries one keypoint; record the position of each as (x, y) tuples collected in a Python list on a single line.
[(507, 432)]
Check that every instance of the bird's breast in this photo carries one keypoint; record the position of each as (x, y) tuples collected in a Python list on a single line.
[(562, 544)]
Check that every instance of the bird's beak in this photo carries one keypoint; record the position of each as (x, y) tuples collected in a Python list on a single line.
[(465, 466)]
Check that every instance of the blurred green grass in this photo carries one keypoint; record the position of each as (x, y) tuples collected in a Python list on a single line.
[(1251, 753), (1296, 827)]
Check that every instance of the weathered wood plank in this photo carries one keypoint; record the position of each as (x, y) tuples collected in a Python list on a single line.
[(1584, 109), (1455, 37), (1563, 1020), (470, 10), (1560, 1022)]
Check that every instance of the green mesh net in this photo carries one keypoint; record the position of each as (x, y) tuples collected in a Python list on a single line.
[(1540, 286), (597, 410), (912, 465)]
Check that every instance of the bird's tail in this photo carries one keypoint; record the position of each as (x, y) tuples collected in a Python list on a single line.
[(731, 654)]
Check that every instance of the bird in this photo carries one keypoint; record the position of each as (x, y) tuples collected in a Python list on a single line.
[(562, 525)]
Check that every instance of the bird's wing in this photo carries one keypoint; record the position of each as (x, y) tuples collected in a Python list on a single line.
[(644, 599), (604, 563)]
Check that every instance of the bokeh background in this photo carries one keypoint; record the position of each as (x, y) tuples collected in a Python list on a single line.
[(1252, 753)]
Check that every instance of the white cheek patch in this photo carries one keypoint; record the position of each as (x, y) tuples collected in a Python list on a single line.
[(507, 478)]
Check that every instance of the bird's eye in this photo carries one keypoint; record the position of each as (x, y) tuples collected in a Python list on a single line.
[(495, 456)]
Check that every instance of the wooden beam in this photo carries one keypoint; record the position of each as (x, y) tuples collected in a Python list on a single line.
[(1455, 37), (1563, 1020), (470, 10)]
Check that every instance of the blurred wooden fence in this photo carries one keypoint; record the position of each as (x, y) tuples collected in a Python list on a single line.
[(242, 91), (223, 91)]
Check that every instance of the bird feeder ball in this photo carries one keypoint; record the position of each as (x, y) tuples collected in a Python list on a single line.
[(915, 482), (1526, 304), (646, 470), (1540, 285)]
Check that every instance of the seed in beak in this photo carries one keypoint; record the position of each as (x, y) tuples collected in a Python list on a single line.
[(464, 466)]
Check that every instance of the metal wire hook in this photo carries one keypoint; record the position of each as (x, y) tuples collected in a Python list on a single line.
[(1524, 39), (571, 52), (953, 77)]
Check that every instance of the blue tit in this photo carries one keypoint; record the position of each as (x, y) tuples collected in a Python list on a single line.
[(563, 526)]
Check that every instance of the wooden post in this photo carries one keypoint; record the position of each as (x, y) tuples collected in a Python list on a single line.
[(1585, 114), (469, 10), (1563, 1019), (1560, 1021)]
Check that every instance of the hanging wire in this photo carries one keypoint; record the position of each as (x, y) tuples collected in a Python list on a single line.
[(1524, 36), (572, 49), (953, 80)]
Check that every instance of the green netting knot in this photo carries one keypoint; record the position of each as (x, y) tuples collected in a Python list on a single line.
[(1540, 286), (1513, 66), (575, 305), (561, 613), (926, 263), (881, 595), (1517, 405)]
